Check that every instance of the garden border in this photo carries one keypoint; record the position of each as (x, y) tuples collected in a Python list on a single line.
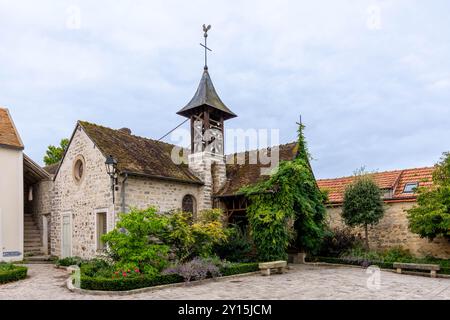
[(342, 265), (74, 289)]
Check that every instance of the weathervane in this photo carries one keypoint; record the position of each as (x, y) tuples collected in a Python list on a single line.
[(205, 30)]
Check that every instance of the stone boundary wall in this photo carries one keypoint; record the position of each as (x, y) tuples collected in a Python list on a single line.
[(392, 231)]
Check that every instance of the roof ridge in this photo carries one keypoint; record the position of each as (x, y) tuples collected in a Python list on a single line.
[(401, 171), (127, 134), (253, 150)]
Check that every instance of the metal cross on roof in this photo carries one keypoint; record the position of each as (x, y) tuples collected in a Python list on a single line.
[(205, 30)]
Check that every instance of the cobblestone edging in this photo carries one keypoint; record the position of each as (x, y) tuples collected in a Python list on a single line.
[(74, 289), (413, 273)]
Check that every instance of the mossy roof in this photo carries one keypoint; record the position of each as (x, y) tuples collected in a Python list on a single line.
[(247, 174), (138, 155)]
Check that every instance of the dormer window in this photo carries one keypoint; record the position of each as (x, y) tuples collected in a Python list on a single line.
[(410, 187)]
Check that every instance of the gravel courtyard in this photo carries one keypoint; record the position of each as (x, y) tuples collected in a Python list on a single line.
[(301, 282)]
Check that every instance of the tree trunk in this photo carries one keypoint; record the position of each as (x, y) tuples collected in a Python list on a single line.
[(367, 236)]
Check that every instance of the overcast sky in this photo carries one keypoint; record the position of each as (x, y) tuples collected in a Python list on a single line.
[(371, 79)]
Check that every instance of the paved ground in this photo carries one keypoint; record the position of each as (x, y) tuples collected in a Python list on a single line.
[(301, 282)]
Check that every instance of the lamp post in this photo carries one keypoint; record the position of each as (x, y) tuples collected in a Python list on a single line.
[(111, 169)]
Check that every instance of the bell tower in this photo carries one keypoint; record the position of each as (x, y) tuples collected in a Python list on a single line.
[(207, 113)]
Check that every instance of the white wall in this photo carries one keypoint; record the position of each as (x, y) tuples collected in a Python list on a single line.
[(11, 203)]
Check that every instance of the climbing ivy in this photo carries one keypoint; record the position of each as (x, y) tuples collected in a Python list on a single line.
[(288, 208)]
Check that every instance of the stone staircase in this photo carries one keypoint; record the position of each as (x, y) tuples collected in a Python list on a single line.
[(32, 237)]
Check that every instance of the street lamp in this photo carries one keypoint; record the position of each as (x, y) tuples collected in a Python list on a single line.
[(111, 169)]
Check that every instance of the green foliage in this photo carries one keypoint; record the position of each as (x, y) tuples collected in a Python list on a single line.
[(363, 204), (10, 272), (124, 283), (54, 154), (238, 268), (238, 247), (337, 241), (191, 239), (290, 194), (69, 261), (135, 241), (431, 217), (104, 281)]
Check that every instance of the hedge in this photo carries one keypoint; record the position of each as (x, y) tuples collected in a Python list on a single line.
[(125, 284), (15, 274), (361, 262), (355, 262), (239, 268)]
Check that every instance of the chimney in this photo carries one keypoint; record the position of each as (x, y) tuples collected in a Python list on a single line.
[(125, 130)]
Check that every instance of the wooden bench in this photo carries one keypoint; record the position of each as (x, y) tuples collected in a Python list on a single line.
[(265, 267), (433, 268)]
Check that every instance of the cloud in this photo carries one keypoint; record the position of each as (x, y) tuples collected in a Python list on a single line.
[(374, 96)]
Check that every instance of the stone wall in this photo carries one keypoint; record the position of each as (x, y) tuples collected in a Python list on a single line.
[(83, 199), (42, 207), (392, 231), (210, 169), (167, 195)]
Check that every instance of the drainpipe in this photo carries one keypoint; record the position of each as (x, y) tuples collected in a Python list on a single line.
[(122, 192)]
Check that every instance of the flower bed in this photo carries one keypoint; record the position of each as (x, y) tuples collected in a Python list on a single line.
[(10, 273), (103, 283)]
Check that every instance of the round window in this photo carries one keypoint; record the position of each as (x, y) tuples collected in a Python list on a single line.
[(78, 169)]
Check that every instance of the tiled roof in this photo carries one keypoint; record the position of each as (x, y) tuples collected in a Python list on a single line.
[(240, 175), (393, 180), (137, 155), (8, 134)]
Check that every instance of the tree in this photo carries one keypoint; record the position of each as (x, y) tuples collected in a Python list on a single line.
[(290, 195), (431, 217), (55, 154), (363, 205)]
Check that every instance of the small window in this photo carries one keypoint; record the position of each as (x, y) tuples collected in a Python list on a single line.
[(410, 187), (101, 229), (78, 169), (189, 204)]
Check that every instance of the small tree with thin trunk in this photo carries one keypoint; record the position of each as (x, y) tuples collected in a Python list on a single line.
[(363, 204)]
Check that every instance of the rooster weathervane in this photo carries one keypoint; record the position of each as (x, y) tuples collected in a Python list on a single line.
[(205, 35)]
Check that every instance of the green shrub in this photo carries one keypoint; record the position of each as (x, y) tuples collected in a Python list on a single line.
[(104, 283), (338, 241), (69, 261), (124, 284), (430, 218), (134, 243), (189, 240), (237, 248), (397, 254), (238, 268), (10, 272)]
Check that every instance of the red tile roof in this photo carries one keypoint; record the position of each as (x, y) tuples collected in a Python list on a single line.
[(393, 180), (9, 136)]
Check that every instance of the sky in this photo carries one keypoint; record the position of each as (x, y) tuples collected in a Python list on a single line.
[(371, 79)]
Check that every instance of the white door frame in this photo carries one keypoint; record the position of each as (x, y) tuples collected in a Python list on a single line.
[(96, 212), (66, 213)]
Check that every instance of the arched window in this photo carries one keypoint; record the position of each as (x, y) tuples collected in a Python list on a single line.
[(189, 204)]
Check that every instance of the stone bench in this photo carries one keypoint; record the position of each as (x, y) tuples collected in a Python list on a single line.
[(266, 267), (433, 268)]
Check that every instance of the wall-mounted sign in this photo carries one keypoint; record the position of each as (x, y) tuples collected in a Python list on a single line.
[(11, 254)]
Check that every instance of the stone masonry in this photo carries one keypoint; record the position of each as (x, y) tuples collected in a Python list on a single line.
[(81, 199), (211, 170), (165, 195), (392, 231)]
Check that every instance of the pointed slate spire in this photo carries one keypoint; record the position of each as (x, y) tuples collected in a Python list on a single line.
[(206, 95)]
